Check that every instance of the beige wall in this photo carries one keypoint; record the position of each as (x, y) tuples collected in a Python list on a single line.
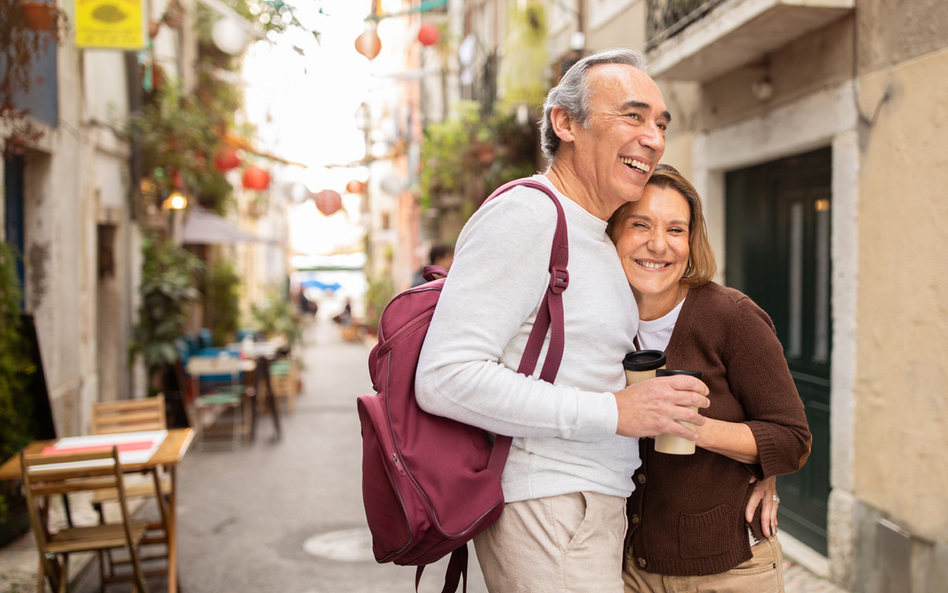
[(808, 64), (625, 29), (893, 32), (902, 362)]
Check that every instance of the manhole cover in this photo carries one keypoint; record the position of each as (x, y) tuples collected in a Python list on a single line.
[(347, 545)]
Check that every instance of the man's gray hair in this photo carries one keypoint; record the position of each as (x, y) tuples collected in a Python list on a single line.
[(572, 93)]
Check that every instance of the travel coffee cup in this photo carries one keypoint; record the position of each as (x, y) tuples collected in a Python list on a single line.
[(642, 364), (669, 443)]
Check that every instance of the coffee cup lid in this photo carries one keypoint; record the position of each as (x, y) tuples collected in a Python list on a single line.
[(670, 372), (643, 360)]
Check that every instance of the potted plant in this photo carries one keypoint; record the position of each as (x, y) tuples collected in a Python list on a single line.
[(222, 301), (276, 317), (27, 28), (38, 16), (16, 418), (168, 285)]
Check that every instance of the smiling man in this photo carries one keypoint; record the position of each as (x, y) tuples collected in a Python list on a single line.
[(575, 446)]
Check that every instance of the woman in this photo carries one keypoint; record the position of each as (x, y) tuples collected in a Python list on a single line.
[(688, 520)]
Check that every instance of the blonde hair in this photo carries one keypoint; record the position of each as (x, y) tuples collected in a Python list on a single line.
[(701, 266)]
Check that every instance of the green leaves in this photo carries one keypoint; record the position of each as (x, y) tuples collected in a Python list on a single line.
[(168, 285)]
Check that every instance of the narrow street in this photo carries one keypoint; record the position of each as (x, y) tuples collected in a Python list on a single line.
[(287, 517)]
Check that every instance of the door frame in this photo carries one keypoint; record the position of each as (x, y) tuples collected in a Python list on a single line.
[(830, 119)]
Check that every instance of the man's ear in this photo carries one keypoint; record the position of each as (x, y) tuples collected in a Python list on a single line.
[(562, 124)]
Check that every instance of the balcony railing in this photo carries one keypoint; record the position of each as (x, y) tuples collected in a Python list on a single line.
[(665, 18)]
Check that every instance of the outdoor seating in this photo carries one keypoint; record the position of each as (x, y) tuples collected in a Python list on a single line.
[(222, 404), (45, 476), (284, 381), (130, 416)]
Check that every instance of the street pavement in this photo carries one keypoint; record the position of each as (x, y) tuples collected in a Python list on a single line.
[(287, 516)]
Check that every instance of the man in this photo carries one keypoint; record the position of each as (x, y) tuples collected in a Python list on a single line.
[(440, 255), (570, 466)]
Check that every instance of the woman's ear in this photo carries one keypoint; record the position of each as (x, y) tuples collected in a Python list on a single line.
[(562, 124)]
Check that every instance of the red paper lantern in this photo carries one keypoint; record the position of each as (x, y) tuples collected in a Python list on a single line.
[(328, 201), (428, 34), (256, 178), (226, 158), (368, 44), (355, 187), (38, 16)]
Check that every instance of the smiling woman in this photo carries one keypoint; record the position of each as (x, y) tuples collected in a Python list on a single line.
[(756, 422)]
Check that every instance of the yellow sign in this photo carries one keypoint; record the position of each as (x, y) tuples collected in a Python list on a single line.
[(110, 24)]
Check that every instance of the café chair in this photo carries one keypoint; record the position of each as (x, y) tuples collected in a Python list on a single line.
[(47, 476), (132, 416), (222, 404)]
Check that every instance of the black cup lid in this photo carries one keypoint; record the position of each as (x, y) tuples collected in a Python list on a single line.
[(643, 360), (670, 372)]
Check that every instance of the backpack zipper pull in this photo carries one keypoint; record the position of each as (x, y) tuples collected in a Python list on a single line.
[(398, 464)]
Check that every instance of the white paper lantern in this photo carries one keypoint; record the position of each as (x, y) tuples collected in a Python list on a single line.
[(229, 37)]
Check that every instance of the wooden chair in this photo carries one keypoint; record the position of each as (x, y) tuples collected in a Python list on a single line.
[(45, 476), (218, 390), (129, 416)]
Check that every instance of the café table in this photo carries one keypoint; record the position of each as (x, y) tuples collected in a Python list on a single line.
[(168, 454)]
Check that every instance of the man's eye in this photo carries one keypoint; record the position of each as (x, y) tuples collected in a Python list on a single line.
[(635, 116)]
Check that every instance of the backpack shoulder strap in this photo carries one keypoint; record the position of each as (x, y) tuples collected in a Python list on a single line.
[(549, 316)]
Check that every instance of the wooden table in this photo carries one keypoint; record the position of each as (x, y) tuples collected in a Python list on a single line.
[(169, 454)]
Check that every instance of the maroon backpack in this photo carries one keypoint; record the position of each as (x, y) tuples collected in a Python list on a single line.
[(430, 484)]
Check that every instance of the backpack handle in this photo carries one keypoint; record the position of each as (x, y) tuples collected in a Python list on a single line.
[(549, 316)]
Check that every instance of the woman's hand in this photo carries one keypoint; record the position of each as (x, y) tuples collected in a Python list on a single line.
[(764, 494)]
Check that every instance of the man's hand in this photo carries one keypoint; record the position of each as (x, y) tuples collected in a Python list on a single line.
[(764, 494), (652, 407)]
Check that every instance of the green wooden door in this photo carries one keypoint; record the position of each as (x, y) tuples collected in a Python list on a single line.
[(778, 253)]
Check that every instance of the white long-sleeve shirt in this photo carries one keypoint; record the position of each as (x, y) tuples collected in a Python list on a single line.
[(564, 433)]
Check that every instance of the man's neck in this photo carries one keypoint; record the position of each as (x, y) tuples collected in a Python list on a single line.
[(564, 178)]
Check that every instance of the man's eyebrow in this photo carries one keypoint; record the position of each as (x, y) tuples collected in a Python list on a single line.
[(642, 105)]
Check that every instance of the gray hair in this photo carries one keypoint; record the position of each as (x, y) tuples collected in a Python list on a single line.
[(572, 93)]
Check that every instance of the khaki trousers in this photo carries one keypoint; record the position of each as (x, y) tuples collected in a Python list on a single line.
[(763, 573), (560, 544)]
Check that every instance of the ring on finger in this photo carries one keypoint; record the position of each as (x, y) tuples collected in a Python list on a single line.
[(776, 499)]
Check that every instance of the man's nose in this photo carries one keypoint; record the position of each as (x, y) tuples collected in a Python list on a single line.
[(654, 138)]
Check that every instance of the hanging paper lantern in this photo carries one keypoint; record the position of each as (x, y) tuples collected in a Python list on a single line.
[(355, 187), (256, 178), (226, 158), (428, 34), (328, 201), (368, 44), (229, 37)]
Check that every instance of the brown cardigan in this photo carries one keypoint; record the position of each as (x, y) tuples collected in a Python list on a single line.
[(686, 516)]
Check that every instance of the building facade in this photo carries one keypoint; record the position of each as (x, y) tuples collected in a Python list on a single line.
[(814, 133)]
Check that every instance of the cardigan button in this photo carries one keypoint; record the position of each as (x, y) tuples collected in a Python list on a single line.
[(635, 519), (641, 562), (640, 478)]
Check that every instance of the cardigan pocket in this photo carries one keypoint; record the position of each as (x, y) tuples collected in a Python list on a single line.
[(704, 534)]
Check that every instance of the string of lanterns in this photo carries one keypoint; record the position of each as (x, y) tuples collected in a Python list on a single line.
[(368, 43)]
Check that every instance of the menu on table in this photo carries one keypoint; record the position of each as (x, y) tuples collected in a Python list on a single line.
[(133, 447)]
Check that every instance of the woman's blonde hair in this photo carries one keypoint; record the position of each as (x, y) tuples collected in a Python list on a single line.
[(701, 265)]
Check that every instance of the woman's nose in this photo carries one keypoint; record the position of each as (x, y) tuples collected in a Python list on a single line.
[(656, 242)]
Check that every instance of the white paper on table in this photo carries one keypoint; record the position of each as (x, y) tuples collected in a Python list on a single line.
[(139, 447)]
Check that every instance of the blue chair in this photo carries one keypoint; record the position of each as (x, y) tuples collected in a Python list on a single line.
[(222, 404)]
